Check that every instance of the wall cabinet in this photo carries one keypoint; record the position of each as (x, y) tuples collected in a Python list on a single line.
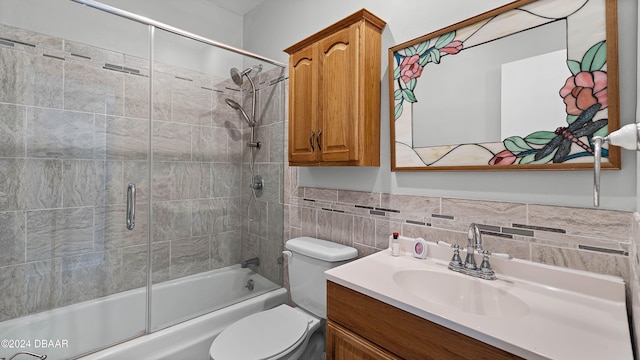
[(334, 94), (360, 327)]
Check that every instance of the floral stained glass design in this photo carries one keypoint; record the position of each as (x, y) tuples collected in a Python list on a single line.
[(584, 93)]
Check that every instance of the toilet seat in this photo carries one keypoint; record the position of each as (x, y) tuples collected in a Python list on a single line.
[(261, 336)]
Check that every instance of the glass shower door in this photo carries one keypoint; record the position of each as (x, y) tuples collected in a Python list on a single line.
[(74, 132)]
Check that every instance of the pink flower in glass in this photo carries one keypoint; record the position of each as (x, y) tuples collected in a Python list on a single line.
[(583, 90), (504, 157), (452, 48), (410, 68)]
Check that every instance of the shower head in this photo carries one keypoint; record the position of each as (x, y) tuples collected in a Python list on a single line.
[(237, 107), (236, 75)]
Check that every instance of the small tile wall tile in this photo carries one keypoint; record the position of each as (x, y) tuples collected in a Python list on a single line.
[(581, 260), (605, 224), (351, 198), (483, 212)]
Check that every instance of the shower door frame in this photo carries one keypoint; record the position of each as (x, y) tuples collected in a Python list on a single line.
[(152, 24)]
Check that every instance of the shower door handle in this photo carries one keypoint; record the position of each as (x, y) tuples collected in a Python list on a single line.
[(131, 206), (313, 134)]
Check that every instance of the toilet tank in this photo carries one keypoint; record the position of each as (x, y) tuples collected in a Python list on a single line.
[(309, 259)]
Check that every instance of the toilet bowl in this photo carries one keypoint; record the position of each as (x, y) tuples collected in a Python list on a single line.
[(286, 332)]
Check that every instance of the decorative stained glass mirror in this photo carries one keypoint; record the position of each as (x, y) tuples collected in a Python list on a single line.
[(524, 86)]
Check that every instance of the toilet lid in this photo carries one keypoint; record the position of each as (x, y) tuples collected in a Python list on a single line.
[(261, 336)]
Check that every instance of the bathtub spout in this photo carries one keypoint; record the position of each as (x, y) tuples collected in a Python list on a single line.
[(249, 262), (42, 357)]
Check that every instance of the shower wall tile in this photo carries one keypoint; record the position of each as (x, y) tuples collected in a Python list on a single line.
[(12, 130), (276, 142), (94, 90), (224, 179), (225, 249), (83, 183), (30, 184), (39, 288), (235, 145), (30, 79), (210, 144), (110, 230), (191, 104), (171, 142), (171, 220), (189, 256), (161, 261), (96, 54), (12, 235), (120, 138), (136, 101), (135, 172), (90, 276), (59, 134), (134, 267), (59, 233), (162, 83)]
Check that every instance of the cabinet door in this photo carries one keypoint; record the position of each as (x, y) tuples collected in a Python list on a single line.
[(339, 95), (303, 106), (345, 345)]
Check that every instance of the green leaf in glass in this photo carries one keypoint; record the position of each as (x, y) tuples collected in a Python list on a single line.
[(595, 57), (516, 144), (540, 137), (397, 111), (445, 39), (574, 66), (408, 95)]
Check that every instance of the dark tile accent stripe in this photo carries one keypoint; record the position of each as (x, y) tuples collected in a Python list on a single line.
[(448, 217), (376, 212), (540, 228), (513, 231), (415, 222), (206, 88), (388, 210), (491, 233), (18, 42), (7, 43), (364, 207), (81, 56), (232, 89), (183, 78), (130, 70), (338, 211), (489, 227), (604, 250), (54, 57), (325, 209), (309, 200)]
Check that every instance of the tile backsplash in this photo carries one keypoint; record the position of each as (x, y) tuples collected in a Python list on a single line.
[(578, 238)]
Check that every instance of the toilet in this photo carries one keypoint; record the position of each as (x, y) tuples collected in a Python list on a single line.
[(286, 332)]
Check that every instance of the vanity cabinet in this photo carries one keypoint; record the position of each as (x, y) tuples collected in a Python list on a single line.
[(334, 94), (360, 327)]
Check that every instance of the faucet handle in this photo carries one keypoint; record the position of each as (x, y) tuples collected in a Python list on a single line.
[(486, 272)]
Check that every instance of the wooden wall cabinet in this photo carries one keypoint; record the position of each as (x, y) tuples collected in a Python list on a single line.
[(360, 327), (334, 94)]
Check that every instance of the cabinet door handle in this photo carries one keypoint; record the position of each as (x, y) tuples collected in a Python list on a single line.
[(313, 148), (318, 140), (131, 206)]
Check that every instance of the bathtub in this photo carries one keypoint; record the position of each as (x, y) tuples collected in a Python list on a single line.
[(70, 331)]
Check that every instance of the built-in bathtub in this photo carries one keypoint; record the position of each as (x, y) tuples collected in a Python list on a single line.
[(71, 331)]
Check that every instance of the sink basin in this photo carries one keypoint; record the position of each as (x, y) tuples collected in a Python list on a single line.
[(468, 294)]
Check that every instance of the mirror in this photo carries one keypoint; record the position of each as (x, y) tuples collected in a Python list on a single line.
[(524, 86)]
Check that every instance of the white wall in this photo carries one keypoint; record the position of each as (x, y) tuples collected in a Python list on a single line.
[(276, 24)]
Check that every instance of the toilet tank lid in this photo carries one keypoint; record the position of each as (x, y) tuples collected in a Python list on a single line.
[(321, 249)]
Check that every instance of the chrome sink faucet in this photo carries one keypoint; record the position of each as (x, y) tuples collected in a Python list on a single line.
[(475, 243), (469, 267)]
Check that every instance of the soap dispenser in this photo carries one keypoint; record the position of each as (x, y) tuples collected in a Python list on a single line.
[(626, 137)]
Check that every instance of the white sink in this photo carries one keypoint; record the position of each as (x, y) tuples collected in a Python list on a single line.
[(535, 311), (468, 294)]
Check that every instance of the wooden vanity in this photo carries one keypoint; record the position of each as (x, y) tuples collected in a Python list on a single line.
[(361, 327)]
